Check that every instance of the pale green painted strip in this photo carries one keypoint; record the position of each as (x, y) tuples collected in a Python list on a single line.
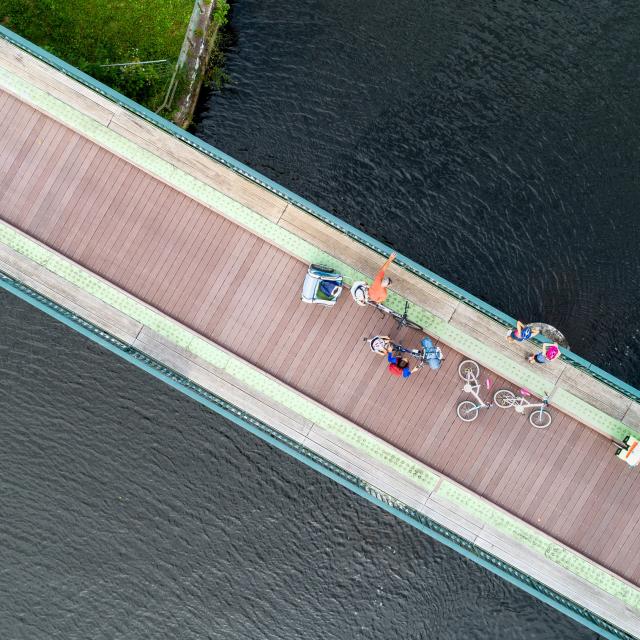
[(486, 513), (591, 415), (531, 538), (251, 377), (594, 575)]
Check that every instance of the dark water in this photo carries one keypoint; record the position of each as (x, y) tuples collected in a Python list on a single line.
[(128, 511), (496, 143)]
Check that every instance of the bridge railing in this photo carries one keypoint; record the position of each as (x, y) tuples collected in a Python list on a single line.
[(316, 211), (317, 462)]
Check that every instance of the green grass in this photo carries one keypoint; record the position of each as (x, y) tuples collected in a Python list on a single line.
[(90, 33)]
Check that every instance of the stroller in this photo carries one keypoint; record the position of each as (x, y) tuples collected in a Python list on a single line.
[(322, 285)]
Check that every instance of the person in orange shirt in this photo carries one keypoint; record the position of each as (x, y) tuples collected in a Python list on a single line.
[(378, 288)]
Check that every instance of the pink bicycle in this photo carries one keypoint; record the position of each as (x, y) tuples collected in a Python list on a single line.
[(540, 418)]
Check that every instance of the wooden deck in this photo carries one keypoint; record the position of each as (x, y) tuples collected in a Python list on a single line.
[(243, 293)]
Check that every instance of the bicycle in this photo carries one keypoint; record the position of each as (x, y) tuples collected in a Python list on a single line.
[(359, 294), (427, 355), (467, 410), (540, 418), (400, 318)]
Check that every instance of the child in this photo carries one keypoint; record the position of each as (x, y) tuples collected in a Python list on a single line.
[(378, 288), (521, 333), (549, 352)]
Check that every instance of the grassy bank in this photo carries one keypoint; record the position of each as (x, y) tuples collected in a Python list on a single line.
[(90, 33)]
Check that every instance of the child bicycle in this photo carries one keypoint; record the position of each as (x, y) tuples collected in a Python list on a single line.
[(540, 418), (468, 410)]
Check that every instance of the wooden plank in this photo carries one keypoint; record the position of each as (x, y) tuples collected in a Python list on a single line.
[(594, 392), (612, 521), (445, 382), (68, 295), (24, 148), (48, 214), (585, 530), (20, 193), (444, 518), (55, 83), (517, 488), (197, 164), (560, 579), (204, 267), (73, 207), (57, 175), (25, 123), (569, 473), (632, 416), (573, 506), (455, 513), (512, 468), (344, 385), (105, 214), (356, 461), (202, 247), (161, 242), (223, 273), (253, 310), (48, 228), (214, 380), (88, 214), (550, 467)]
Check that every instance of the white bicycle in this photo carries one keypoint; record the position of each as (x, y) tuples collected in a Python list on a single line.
[(468, 410), (540, 418)]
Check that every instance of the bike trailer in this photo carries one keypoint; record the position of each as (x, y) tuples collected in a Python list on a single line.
[(322, 285)]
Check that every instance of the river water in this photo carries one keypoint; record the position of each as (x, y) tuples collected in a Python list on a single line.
[(496, 143), (492, 142)]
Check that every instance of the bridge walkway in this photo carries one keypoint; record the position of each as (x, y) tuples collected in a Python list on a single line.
[(242, 292)]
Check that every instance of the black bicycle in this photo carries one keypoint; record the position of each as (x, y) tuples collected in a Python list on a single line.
[(401, 318)]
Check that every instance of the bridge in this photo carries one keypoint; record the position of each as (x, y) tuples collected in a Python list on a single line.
[(190, 265)]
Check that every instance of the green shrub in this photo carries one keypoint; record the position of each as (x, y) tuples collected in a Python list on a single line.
[(221, 12)]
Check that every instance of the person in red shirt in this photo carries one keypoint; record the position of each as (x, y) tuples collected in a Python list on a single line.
[(399, 366), (378, 289)]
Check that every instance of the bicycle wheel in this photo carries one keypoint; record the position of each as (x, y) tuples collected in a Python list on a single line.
[(540, 419), (504, 398), (467, 411), (468, 369), (321, 267), (383, 309)]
